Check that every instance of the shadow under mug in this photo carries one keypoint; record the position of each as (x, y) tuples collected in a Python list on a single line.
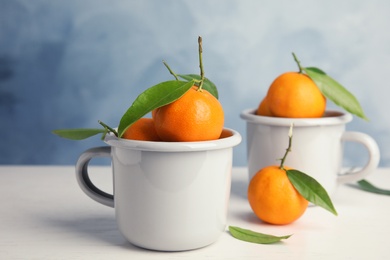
[(317, 146), (168, 196)]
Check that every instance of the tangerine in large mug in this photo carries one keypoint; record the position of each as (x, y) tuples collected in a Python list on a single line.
[(171, 172), (300, 98)]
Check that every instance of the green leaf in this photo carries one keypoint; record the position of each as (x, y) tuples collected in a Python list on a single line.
[(78, 133), (365, 185), (311, 190), (152, 98), (318, 70), (254, 237), (207, 84), (335, 91)]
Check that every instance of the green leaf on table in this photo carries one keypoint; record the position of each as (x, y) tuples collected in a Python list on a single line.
[(254, 237), (335, 91), (367, 186), (207, 84), (78, 133), (152, 98), (311, 190)]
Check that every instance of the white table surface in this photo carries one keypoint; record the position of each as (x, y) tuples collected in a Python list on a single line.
[(45, 215)]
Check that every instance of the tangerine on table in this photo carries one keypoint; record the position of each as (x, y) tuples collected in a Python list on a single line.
[(196, 116), (273, 198), (295, 95), (143, 129)]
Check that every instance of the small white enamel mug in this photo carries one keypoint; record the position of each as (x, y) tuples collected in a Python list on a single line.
[(168, 196), (317, 146)]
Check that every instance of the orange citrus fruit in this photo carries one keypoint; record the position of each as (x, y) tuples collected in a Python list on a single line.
[(263, 108), (273, 198), (196, 116), (295, 95), (143, 129), (225, 133)]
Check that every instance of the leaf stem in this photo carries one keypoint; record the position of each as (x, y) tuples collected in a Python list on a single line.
[(170, 71), (290, 135), (298, 63), (108, 128), (200, 63)]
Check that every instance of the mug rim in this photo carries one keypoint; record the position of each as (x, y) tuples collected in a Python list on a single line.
[(161, 146), (330, 117)]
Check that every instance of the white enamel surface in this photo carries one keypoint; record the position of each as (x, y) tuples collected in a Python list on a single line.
[(228, 142), (329, 118), (170, 196), (317, 146), (172, 201)]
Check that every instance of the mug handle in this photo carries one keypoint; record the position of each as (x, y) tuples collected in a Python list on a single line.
[(85, 182), (373, 152)]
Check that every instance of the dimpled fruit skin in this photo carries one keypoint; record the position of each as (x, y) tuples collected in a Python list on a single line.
[(273, 198), (293, 95), (196, 116), (143, 130)]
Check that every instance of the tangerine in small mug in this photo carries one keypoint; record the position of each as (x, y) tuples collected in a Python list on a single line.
[(168, 196), (317, 146)]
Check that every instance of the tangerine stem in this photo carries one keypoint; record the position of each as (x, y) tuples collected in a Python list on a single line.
[(201, 62), (108, 128), (170, 71), (298, 63), (290, 135)]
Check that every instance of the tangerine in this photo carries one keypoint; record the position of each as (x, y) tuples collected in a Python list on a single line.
[(196, 116), (295, 95), (143, 129), (263, 109), (225, 133), (273, 198)]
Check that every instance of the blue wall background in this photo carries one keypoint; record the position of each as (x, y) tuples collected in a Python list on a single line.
[(66, 64)]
